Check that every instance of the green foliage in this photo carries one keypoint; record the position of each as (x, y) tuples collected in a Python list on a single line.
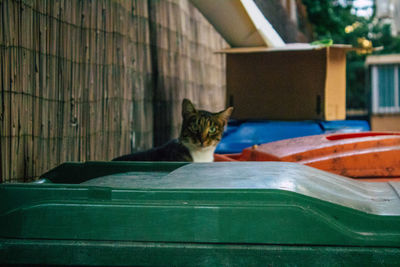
[(329, 18), (381, 37), (333, 19)]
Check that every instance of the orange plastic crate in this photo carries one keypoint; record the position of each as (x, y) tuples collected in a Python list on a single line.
[(368, 155)]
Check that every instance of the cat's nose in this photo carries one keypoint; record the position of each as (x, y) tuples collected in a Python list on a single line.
[(201, 142)]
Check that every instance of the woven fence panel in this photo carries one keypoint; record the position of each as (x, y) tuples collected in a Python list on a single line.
[(183, 44), (75, 83), (91, 80)]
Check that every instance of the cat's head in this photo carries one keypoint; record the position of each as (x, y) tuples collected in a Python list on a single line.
[(201, 128)]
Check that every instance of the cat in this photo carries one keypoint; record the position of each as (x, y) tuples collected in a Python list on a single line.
[(200, 134)]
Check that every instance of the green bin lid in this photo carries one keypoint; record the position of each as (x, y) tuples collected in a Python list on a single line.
[(231, 203)]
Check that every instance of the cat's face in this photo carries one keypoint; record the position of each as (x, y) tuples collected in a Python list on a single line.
[(202, 128)]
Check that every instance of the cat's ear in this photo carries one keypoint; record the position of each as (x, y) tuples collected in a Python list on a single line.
[(225, 114), (187, 108)]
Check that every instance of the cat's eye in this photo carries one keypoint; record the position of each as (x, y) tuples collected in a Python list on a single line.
[(212, 130), (193, 128)]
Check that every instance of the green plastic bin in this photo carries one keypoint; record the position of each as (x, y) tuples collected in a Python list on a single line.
[(204, 214)]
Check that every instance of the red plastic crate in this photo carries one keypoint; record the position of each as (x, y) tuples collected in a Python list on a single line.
[(368, 155)]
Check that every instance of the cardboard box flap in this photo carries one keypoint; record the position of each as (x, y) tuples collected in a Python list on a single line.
[(240, 22), (288, 47)]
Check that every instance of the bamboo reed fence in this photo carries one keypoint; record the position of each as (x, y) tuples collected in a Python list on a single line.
[(94, 79), (186, 65)]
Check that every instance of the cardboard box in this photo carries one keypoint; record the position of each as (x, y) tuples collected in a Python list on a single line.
[(295, 82)]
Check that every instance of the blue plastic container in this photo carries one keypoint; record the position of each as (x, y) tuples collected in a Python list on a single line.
[(240, 135), (349, 126)]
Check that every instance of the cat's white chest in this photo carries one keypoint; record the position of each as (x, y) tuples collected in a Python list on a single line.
[(205, 154)]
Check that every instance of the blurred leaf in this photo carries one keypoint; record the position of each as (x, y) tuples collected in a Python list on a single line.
[(325, 42)]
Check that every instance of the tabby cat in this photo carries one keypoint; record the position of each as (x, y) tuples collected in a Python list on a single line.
[(200, 134)]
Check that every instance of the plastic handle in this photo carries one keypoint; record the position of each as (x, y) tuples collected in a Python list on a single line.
[(357, 135)]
